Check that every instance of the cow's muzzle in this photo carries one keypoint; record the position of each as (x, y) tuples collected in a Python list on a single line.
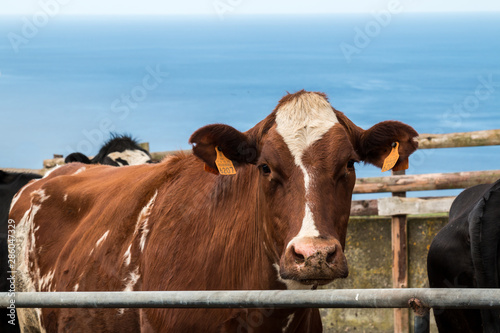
[(314, 261)]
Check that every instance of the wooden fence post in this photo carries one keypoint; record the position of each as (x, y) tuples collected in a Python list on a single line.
[(144, 145), (400, 262)]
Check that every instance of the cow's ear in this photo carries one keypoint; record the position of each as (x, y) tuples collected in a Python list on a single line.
[(235, 145), (376, 143)]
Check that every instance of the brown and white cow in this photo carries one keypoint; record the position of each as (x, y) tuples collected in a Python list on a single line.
[(279, 222)]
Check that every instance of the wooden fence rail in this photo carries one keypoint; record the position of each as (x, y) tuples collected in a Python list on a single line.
[(425, 182), (464, 139)]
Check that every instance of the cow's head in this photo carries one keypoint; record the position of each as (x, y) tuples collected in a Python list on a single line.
[(119, 150), (304, 155)]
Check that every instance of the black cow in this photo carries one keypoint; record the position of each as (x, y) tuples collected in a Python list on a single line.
[(119, 150), (465, 254)]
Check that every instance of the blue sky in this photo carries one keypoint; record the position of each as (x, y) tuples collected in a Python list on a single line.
[(209, 7)]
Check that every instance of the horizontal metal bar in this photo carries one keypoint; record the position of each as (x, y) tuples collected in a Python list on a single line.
[(322, 298)]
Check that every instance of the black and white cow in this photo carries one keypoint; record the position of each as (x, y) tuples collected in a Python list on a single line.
[(466, 254), (119, 150)]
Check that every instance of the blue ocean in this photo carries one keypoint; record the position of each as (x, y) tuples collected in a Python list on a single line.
[(66, 82)]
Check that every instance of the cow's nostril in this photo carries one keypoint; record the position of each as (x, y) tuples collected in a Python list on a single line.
[(330, 257), (299, 258)]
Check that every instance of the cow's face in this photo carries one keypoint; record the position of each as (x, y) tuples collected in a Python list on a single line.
[(307, 176), (305, 154)]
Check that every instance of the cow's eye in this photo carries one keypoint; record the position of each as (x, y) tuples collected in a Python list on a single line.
[(266, 170), (350, 164)]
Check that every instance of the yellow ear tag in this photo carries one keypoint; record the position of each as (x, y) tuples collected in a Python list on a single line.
[(224, 164), (391, 159)]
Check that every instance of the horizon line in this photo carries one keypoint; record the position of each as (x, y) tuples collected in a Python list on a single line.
[(452, 11)]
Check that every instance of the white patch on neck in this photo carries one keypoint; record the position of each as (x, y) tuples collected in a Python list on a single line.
[(133, 157), (142, 221), (301, 122), (102, 239), (127, 256), (46, 281), (131, 280)]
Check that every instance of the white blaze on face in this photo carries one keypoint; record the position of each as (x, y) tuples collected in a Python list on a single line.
[(301, 122), (133, 157)]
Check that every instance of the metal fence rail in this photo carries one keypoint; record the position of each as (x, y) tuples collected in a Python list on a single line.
[(323, 298)]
